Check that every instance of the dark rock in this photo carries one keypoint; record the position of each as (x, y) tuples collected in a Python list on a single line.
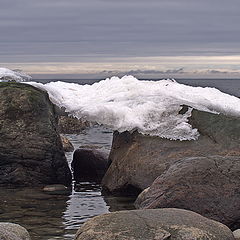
[(153, 224), (11, 231), (206, 185), (71, 125), (89, 165), (67, 145), (31, 152), (137, 160)]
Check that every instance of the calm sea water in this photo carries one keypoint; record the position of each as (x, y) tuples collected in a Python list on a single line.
[(49, 217)]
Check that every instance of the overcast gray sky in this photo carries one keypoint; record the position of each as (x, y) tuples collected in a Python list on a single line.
[(109, 36)]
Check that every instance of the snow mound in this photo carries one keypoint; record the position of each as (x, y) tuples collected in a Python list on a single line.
[(151, 107)]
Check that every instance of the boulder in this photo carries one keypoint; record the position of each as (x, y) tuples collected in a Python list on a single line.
[(137, 160), (153, 224), (236, 234), (72, 125), (11, 231), (89, 165), (31, 152), (206, 185), (67, 145)]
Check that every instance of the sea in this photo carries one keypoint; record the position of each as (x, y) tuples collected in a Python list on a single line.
[(53, 216)]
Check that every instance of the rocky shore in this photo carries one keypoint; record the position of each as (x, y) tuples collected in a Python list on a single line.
[(191, 186)]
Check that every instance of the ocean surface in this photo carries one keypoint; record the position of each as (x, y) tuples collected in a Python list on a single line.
[(49, 217)]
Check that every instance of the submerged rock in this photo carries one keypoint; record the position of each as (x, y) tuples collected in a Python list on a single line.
[(158, 224), (11, 231), (31, 152), (89, 165), (137, 160), (57, 189)]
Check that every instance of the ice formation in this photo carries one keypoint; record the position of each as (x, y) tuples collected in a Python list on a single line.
[(152, 107), (13, 75)]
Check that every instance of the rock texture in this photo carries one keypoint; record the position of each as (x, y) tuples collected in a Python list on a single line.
[(67, 145), (137, 160), (71, 125), (31, 152), (153, 224), (11, 231), (207, 185), (89, 165)]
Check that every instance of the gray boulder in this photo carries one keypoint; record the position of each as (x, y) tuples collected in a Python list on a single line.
[(206, 185), (31, 152), (137, 160), (11, 231), (153, 224)]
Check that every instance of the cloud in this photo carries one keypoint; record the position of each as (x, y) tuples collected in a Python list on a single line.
[(100, 28)]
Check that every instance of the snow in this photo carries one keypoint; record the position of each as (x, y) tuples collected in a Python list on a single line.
[(13, 75), (152, 107)]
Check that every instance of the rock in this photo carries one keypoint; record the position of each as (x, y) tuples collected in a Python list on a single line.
[(56, 189), (71, 125), (206, 185), (11, 231), (236, 234), (153, 224), (31, 152), (67, 145), (89, 165), (137, 160)]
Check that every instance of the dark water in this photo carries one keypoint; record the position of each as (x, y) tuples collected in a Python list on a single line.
[(48, 216)]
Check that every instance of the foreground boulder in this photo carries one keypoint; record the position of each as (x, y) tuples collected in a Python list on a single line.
[(11, 231), (153, 224), (31, 152), (137, 160), (89, 165), (207, 185)]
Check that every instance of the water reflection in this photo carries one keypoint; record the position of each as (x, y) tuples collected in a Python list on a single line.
[(48, 216)]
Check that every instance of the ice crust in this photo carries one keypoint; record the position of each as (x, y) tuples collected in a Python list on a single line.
[(151, 107), (13, 75)]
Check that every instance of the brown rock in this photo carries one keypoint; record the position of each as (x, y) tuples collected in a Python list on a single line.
[(206, 185), (137, 160)]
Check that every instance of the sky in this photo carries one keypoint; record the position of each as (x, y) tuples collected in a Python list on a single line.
[(98, 38)]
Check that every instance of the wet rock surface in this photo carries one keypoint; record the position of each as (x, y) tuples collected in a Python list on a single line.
[(31, 152), (172, 224)]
